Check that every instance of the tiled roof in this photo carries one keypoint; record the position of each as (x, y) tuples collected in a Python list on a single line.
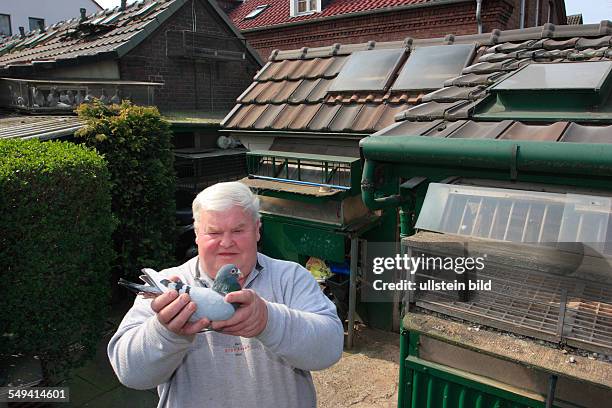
[(290, 92), (106, 34), (574, 19), (277, 11)]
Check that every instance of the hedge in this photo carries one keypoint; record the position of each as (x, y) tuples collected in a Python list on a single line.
[(136, 143), (55, 251)]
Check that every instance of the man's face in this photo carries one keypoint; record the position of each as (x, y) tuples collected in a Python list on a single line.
[(227, 237)]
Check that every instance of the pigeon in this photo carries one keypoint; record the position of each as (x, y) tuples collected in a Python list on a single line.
[(63, 98), (39, 99), (116, 99), (52, 100), (104, 97), (210, 301), (78, 99), (70, 97)]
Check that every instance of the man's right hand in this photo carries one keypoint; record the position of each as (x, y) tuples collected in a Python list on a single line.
[(174, 311)]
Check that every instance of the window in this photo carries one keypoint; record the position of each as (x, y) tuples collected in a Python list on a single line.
[(306, 6), (36, 23), (256, 11), (428, 67), (301, 7), (368, 70), (5, 24)]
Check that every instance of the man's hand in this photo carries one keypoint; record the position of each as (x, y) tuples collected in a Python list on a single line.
[(174, 311), (251, 317)]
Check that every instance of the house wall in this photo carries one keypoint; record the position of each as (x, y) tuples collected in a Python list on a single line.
[(51, 11), (424, 22), (189, 85)]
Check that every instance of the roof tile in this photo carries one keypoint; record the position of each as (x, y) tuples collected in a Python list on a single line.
[(585, 43), (453, 94), (481, 130), (522, 131), (266, 119), (587, 134), (366, 119), (343, 121), (324, 116)]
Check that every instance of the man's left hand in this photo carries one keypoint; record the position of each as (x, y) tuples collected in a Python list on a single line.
[(251, 317)]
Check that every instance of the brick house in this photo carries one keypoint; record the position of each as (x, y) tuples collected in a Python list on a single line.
[(290, 24), (190, 48)]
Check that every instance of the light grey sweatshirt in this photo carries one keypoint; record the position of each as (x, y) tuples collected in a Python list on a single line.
[(212, 369)]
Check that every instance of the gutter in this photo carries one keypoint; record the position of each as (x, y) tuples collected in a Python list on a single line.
[(356, 14), (591, 160)]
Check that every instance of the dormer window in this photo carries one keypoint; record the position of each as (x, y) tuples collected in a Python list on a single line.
[(303, 7), (256, 11)]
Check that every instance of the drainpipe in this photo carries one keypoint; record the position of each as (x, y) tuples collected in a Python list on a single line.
[(537, 14), (522, 16), (549, 13), (478, 15), (368, 188)]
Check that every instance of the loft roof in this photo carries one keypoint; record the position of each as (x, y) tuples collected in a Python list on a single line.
[(291, 92)]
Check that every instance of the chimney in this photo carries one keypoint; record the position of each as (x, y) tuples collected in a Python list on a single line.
[(123, 5), (21, 32), (83, 15)]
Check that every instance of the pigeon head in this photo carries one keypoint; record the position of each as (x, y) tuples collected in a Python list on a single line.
[(226, 280)]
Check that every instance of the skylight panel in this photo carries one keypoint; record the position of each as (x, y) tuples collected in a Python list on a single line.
[(561, 76), (428, 67), (368, 70), (560, 91), (256, 11)]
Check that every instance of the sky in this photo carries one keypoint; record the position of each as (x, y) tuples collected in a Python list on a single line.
[(593, 11)]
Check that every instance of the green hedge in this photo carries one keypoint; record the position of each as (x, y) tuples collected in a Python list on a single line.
[(136, 143), (55, 251)]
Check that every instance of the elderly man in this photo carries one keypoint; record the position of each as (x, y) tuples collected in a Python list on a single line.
[(261, 357)]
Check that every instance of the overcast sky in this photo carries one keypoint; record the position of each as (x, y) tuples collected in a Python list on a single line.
[(593, 11)]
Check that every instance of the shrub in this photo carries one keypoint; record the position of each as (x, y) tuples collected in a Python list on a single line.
[(55, 251), (136, 143)]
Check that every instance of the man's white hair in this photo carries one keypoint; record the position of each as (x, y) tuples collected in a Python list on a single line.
[(222, 197)]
